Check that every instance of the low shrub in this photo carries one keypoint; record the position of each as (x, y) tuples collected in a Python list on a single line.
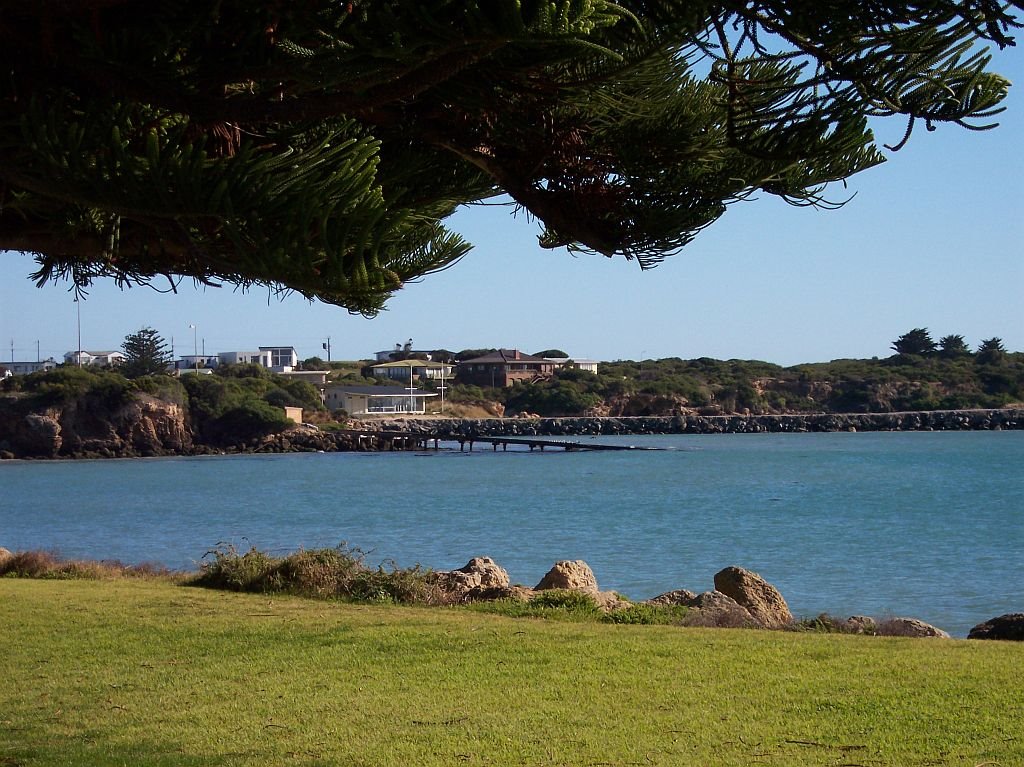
[(47, 565), (338, 573), (654, 615)]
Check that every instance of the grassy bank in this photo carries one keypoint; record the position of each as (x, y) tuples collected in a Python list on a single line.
[(146, 672)]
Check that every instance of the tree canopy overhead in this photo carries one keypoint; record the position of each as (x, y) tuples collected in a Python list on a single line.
[(318, 145)]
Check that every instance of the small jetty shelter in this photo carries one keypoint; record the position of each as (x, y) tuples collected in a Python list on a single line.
[(360, 400)]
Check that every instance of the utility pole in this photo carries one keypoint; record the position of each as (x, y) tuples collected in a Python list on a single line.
[(327, 348), (37, 351), (78, 306)]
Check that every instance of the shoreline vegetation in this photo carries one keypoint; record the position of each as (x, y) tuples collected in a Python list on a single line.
[(143, 671), (569, 591)]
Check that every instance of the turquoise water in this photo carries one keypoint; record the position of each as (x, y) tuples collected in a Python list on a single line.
[(921, 524)]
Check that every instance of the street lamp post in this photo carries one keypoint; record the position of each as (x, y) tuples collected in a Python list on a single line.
[(195, 347)]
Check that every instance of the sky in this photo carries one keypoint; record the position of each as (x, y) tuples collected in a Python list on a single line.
[(933, 238)]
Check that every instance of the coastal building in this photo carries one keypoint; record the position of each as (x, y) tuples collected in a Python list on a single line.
[(503, 368), (405, 370), (402, 351), (368, 400), (189, 363), (244, 358), (282, 358), (589, 365), (24, 368), (100, 359)]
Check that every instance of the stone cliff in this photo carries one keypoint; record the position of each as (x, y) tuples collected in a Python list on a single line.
[(144, 426)]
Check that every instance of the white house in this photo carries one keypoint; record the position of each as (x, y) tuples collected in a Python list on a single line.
[(24, 368), (244, 358), (363, 400), (405, 370), (94, 358), (573, 362), (282, 358), (193, 362)]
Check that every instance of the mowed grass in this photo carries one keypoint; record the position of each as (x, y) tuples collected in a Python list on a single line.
[(146, 672)]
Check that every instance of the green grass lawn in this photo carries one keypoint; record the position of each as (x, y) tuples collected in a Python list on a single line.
[(145, 672)]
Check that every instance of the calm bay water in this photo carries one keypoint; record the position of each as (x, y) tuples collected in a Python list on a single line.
[(923, 524)]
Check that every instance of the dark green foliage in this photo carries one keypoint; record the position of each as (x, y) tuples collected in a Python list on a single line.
[(164, 387), (551, 398), (917, 341), (145, 354), (231, 410), (552, 353), (320, 146), (991, 352), (953, 346), (67, 384), (469, 354)]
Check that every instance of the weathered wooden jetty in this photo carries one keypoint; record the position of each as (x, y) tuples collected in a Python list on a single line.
[(373, 440)]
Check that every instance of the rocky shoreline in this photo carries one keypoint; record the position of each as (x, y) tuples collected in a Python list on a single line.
[(152, 428), (740, 599), (934, 420)]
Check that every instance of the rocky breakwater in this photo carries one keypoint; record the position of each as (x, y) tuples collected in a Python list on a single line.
[(144, 426), (935, 420)]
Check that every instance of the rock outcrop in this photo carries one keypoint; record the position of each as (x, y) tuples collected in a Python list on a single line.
[(908, 627), (713, 609), (144, 426), (572, 575), (670, 598), (760, 598), (481, 577), (1009, 626)]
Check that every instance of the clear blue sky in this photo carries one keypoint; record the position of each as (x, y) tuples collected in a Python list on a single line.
[(934, 238)]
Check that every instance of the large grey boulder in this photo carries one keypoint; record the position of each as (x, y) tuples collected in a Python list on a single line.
[(573, 575), (1009, 626), (753, 592)]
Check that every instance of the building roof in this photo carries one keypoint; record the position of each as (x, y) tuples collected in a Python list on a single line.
[(413, 364), (503, 355)]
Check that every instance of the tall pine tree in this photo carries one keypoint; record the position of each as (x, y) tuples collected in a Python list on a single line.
[(145, 354)]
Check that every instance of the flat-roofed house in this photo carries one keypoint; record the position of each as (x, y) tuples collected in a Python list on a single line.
[(364, 400)]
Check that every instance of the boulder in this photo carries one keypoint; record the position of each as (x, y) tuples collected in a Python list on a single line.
[(753, 592), (480, 575), (908, 627), (574, 576), (669, 598), (5, 556), (861, 624), (713, 609), (1009, 626)]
